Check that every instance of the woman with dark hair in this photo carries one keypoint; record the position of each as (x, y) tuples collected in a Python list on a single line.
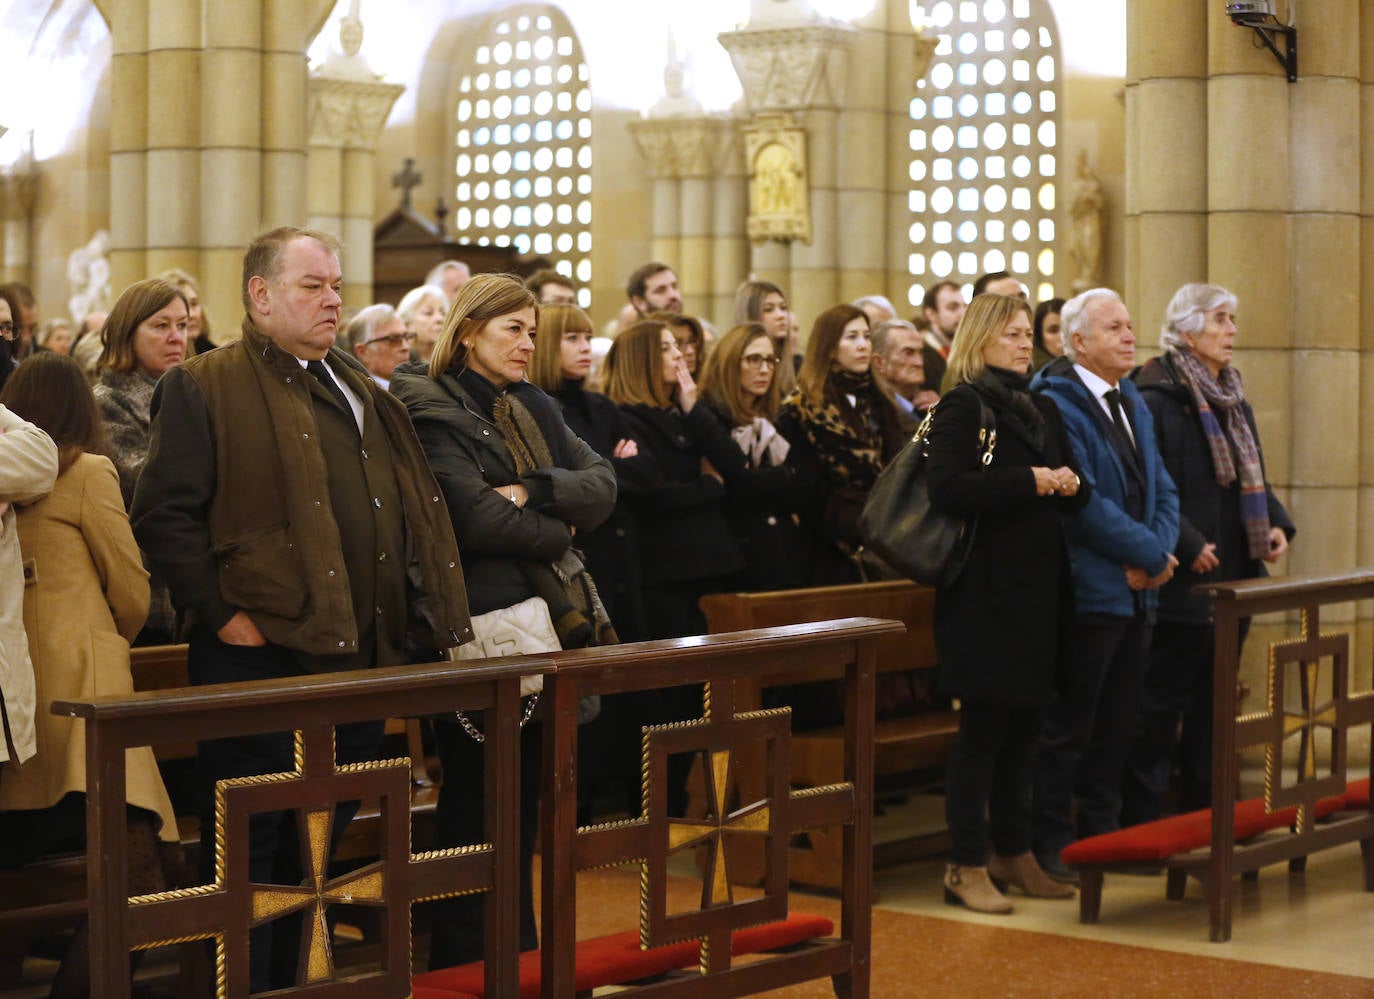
[(1047, 334), (846, 430), (740, 387), (87, 599), (1001, 626), (11, 319), (690, 336), (518, 483), (764, 303), (1231, 526), (686, 545), (145, 335)]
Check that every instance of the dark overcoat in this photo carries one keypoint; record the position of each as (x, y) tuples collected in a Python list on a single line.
[(1001, 629), (1207, 512)]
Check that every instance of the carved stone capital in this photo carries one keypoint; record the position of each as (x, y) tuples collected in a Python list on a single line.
[(791, 68), (682, 147), (349, 114)]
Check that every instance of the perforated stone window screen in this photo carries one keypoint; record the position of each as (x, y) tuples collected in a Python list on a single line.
[(984, 134), (523, 142)]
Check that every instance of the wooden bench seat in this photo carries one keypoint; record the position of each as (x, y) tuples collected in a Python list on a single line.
[(618, 958), (917, 740)]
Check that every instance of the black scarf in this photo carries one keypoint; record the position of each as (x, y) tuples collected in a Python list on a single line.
[(1010, 391)]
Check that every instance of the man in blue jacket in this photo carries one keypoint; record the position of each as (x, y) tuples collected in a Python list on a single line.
[(1120, 547)]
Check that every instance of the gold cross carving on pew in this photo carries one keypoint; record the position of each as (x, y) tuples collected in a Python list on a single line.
[(717, 738)]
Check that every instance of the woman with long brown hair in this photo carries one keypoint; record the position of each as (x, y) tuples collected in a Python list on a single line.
[(740, 387), (88, 599), (846, 430)]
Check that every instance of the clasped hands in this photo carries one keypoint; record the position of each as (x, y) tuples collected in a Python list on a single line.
[(1061, 481), (1139, 579)]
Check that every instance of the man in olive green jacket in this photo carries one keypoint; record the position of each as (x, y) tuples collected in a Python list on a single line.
[(289, 507)]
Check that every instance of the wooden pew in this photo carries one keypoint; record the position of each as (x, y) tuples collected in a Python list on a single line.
[(1313, 812), (49, 893), (902, 744), (727, 926)]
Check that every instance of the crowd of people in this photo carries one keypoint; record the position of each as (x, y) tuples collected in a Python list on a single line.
[(327, 493)]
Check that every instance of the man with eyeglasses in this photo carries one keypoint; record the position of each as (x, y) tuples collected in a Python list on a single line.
[(25, 320), (378, 337)]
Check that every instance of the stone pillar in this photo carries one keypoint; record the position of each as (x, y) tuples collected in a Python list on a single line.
[(802, 69), (173, 184), (128, 22), (730, 245), (683, 156), (18, 191), (346, 117), (1166, 155)]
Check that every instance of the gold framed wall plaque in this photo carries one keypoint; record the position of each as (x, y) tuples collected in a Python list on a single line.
[(779, 186)]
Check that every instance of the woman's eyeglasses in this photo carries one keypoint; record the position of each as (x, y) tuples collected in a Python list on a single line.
[(760, 361), (7, 331), (393, 339)]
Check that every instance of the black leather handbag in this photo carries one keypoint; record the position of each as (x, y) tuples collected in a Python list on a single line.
[(898, 523)]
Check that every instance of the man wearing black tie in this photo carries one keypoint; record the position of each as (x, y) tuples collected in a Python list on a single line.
[(288, 505), (1121, 548)]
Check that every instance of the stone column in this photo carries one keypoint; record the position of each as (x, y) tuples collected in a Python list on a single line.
[(730, 245), (18, 191), (128, 22), (801, 69), (1166, 154), (346, 117), (172, 177)]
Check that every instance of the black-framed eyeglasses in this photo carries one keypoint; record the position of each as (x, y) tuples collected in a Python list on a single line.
[(7, 331), (393, 339), (760, 361)]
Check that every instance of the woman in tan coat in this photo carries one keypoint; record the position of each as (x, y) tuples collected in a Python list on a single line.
[(85, 598)]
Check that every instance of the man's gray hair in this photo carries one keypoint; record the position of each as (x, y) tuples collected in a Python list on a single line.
[(1075, 318), (367, 322), (879, 300), (416, 297), (437, 272), (1187, 312), (879, 333)]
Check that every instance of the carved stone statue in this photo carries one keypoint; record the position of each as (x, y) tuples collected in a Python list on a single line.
[(677, 101), (1086, 211), (88, 272)]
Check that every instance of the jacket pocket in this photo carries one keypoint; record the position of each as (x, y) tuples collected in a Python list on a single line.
[(261, 569)]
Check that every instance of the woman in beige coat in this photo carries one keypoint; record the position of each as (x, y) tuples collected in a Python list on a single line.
[(85, 598)]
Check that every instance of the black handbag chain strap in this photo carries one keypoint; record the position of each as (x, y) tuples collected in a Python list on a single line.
[(987, 432)]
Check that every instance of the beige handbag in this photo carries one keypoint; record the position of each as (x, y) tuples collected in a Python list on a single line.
[(520, 629)]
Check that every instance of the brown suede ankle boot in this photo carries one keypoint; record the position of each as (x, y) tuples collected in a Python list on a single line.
[(971, 887), (1022, 871)]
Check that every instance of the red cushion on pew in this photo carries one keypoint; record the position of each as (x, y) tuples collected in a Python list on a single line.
[(617, 958), (1163, 838), (1357, 794), (421, 992)]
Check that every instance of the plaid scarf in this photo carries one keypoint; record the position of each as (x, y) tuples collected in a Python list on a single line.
[(1224, 392)]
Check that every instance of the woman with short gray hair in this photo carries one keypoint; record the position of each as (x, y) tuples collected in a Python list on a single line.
[(1230, 525)]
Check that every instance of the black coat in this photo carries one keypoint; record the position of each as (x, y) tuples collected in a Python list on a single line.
[(610, 551), (1207, 512), (680, 510), (761, 507), (1001, 629), (471, 461)]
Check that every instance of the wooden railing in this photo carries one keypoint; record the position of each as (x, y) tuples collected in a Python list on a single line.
[(312, 707), (1337, 712)]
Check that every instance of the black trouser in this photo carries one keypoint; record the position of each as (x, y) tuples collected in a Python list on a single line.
[(988, 783), (457, 923), (273, 838), (1176, 714), (1088, 732)]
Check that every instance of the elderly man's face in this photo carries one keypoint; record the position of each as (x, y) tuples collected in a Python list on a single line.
[(1108, 350), (901, 364)]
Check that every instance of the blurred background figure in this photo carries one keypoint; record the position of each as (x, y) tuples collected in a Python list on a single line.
[(422, 310)]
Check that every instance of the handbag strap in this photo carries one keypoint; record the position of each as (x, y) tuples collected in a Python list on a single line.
[(987, 431)]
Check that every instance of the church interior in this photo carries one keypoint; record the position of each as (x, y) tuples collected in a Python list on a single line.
[(837, 148)]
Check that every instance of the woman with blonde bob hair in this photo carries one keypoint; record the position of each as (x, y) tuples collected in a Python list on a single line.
[(518, 483), (1016, 579), (846, 431), (740, 385)]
